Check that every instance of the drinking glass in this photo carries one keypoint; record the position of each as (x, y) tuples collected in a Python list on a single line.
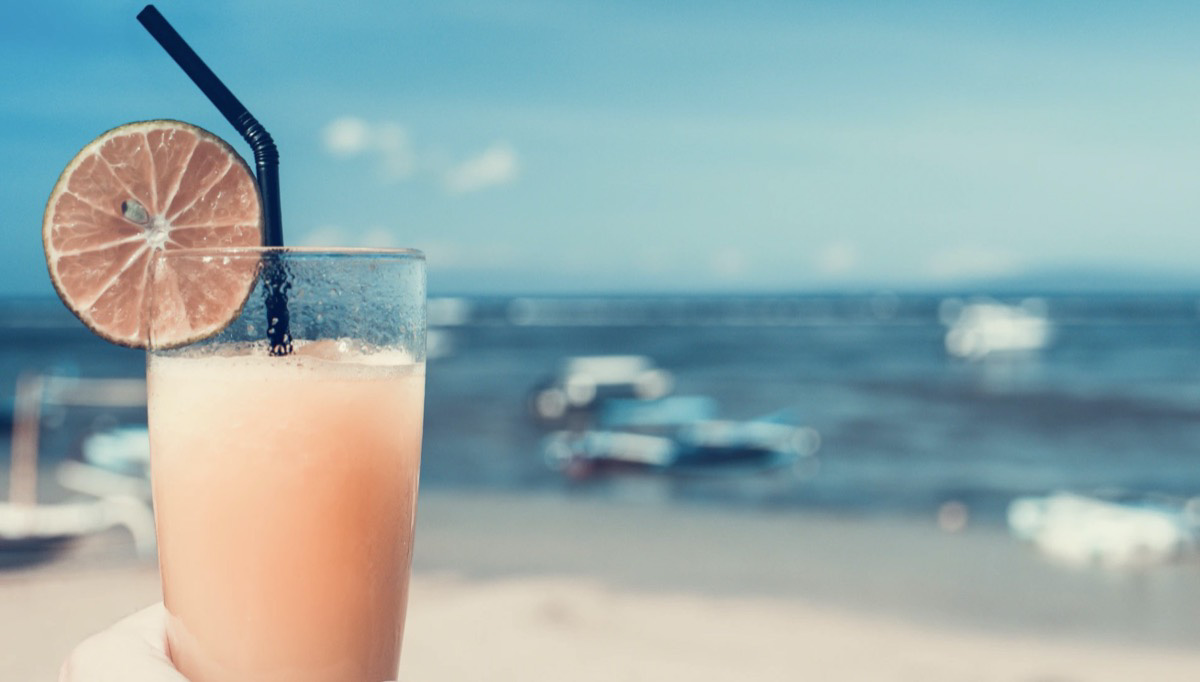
[(285, 482)]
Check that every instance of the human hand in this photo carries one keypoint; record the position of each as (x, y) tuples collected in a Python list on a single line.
[(132, 650)]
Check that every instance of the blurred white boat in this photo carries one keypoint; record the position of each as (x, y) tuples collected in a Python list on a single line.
[(26, 524), (114, 462), (701, 447), (1082, 530), (124, 449), (439, 343), (583, 383), (668, 412), (34, 527), (982, 327), (448, 311)]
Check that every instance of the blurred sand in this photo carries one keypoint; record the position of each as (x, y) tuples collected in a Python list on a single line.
[(506, 588)]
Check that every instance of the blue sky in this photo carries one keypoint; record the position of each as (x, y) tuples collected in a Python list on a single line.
[(679, 146)]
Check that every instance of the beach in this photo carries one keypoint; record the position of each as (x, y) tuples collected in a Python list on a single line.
[(763, 341), (839, 572), (547, 586)]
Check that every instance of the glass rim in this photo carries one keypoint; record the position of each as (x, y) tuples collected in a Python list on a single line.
[(368, 251)]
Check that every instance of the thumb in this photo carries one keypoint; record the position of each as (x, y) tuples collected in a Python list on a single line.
[(132, 650)]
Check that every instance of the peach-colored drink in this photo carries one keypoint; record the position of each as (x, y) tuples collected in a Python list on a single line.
[(285, 491)]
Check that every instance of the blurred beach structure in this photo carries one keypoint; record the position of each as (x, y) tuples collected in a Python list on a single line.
[(889, 552)]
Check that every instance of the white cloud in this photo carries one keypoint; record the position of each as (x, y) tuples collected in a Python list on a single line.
[(386, 142), (389, 146), (338, 236), (346, 136), (837, 258), (466, 255), (971, 261), (326, 235), (497, 165), (379, 238)]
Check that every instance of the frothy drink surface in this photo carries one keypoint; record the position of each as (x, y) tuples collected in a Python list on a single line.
[(285, 491)]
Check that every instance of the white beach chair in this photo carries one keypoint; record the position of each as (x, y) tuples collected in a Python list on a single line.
[(26, 524)]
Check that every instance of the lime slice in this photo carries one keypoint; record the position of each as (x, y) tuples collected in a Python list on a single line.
[(142, 188)]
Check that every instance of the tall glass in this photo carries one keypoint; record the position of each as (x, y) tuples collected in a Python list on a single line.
[(285, 486)]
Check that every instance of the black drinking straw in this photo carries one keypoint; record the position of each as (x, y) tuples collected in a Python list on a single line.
[(266, 159)]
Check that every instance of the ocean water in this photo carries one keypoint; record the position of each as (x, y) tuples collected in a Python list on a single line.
[(1111, 403)]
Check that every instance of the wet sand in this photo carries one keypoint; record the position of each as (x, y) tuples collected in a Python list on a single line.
[(510, 587)]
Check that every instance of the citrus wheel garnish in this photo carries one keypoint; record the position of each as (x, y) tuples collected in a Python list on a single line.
[(142, 188)]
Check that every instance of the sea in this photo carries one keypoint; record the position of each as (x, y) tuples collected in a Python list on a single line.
[(1109, 403)]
